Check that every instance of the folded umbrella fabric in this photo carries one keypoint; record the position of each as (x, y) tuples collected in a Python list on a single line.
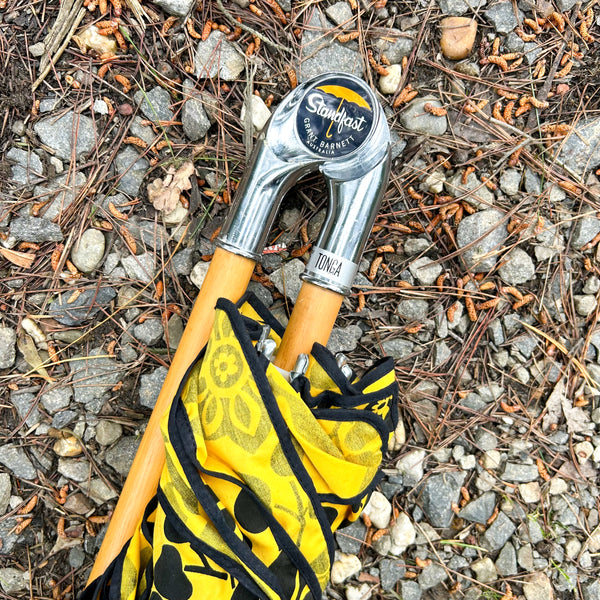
[(259, 472)]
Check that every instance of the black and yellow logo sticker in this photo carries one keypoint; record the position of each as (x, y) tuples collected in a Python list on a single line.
[(335, 117)]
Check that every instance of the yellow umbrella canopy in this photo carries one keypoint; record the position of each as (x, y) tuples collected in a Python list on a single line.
[(259, 472)]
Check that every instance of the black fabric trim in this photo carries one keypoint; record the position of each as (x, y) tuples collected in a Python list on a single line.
[(265, 314), (202, 548), (180, 426), (279, 424)]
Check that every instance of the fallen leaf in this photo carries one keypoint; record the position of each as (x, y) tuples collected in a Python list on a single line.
[(34, 360), (554, 405), (164, 194), (21, 259)]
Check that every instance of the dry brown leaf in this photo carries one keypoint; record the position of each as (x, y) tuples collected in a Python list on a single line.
[(34, 360), (164, 194), (21, 259)]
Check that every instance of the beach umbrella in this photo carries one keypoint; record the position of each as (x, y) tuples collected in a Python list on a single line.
[(229, 431)]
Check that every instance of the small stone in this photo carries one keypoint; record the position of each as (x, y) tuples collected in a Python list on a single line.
[(395, 44), (506, 563), (459, 7), (75, 469), (520, 473), (510, 182), (403, 534), (340, 13), (581, 148), (583, 451), (88, 250), (194, 118), (346, 566), (35, 229), (415, 118), (458, 37), (174, 331), (413, 310), (155, 104), (361, 592), (8, 339), (83, 307), (439, 493), (16, 460), (432, 575), (67, 446), (259, 112), (411, 467), (484, 232), (108, 432), (287, 278), (485, 570), (388, 84), (37, 50), (350, 539), (530, 492), (492, 459), (216, 57), (121, 455), (5, 492), (585, 229), (572, 548), (525, 557), (585, 305), (141, 267), (28, 169), (537, 586), (425, 270), (150, 386), (390, 572), (517, 267), (131, 168), (70, 131), (434, 183), (398, 349), (441, 353), (502, 16), (498, 533), (410, 590), (480, 509), (13, 580), (98, 491), (179, 8), (149, 332), (93, 376), (473, 191)]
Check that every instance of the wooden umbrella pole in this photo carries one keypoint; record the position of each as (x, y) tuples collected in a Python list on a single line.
[(227, 277), (312, 320)]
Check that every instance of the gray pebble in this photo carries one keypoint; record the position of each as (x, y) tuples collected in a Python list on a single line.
[(131, 168), (193, 116), (484, 232), (320, 50), (84, 307), (13, 581), (261, 292), (61, 193), (480, 509), (64, 418), (340, 13), (5, 492), (510, 181), (432, 575), (88, 250), (413, 309), (35, 229), (441, 353), (415, 118), (498, 533), (150, 386), (395, 44), (425, 270), (350, 538), (28, 169), (121, 455), (514, 43), (506, 563), (531, 51), (174, 331), (517, 267), (74, 468), (502, 16), (410, 590), (26, 406), (216, 57), (585, 305), (473, 190), (457, 8), (344, 339), (59, 133), (390, 572), (586, 228), (149, 332), (520, 473), (525, 557), (179, 8), (439, 492), (108, 432), (398, 349), (76, 557), (183, 261), (8, 339), (485, 570), (141, 267), (287, 278), (155, 104), (93, 376), (16, 460)]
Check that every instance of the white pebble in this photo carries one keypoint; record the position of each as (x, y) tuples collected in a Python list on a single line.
[(583, 451), (379, 510), (345, 567), (199, 273), (491, 459), (362, 592), (260, 112), (388, 84), (572, 548), (403, 534), (530, 492), (558, 486)]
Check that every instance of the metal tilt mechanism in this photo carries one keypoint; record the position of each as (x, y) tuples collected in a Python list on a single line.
[(333, 124)]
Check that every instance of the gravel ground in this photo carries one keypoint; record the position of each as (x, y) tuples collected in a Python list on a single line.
[(481, 277)]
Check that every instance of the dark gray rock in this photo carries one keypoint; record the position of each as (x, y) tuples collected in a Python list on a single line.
[(183, 261), (261, 292), (217, 57), (344, 339), (28, 169), (410, 590), (194, 119), (71, 129), (121, 455), (35, 229), (84, 307), (149, 332), (506, 563), (131, 168), (8, 352), (141, 267), (531, 52), (415, 118), (585, 229), (390, 572), (432, 575), (179, 8), (93, 376), (502, 16), (510, 181), (61, 191), (320, 50), (438, 494), (155, 104), (520, 473), (26, 405), (498, 533), (484, 233), (5, 492), (350, 539), (396, 44), (16, 460), (398, 349), (480, 509), (287, 278), (64, 418), (340, 13), (150, 386)]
